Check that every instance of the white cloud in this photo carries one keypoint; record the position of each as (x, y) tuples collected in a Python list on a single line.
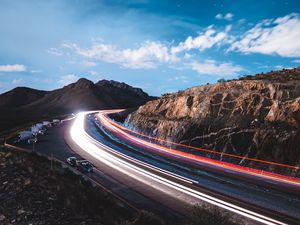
[(12, 68), (275, 36), (93, 73), (17, 81), (181, 78), (203, 41), (36, 71), (211, 67), (227, 16), (67, 79), (55, 51), (296, 61), (149, 54), (279, 67), (146, 56), (241, 21), (89, 64), (219, 16), (187, 56)]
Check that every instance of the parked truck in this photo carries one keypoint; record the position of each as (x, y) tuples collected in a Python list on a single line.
[(38, 128), (46, 123), (25, 135), (56, 121)]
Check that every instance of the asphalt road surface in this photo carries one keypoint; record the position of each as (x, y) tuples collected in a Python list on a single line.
[(169, 194), (54, 144)]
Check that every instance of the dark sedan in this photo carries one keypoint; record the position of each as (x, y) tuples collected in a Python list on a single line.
[(84, 166), (72, 161)]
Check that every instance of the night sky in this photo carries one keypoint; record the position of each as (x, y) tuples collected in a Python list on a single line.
[(161, 46)]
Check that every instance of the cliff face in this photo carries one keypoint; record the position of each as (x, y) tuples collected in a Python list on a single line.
[(254, 118)]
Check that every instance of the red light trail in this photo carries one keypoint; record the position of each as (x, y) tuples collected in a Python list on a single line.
[(127, 134), (150, 175)]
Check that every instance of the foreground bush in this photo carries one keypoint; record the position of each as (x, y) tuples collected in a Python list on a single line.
[(209, 215), (35, 191)]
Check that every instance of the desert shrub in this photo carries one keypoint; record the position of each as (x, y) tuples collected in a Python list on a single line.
[(145, 218), (208, 215)]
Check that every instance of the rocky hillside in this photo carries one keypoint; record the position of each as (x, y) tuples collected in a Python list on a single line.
[(249, 117), (33, 192), (22, 105)]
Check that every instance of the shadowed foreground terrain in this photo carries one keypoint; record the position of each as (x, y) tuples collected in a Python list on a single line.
[(34, 192)]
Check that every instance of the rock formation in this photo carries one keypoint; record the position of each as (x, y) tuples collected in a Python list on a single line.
[(255, 116)]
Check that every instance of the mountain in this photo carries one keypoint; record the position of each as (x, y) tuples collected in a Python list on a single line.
[(20, 96), (256, 116), (123, 93), (23, 105)]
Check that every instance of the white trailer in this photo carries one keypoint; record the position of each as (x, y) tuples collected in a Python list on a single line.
[(24, 135), (56, 121), (47, 123), (35, 129), (38, 128), (32, 140), (39, 125)]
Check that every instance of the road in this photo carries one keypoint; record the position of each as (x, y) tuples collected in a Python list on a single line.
[(57, 143), (161, 185)]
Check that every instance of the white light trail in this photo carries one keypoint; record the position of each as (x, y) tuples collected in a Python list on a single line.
[(101, 153)]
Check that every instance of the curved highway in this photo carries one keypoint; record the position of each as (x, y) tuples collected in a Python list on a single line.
[(110, 146)]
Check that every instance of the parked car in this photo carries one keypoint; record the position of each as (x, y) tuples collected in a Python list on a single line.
[(47, 123), (38, 128), (72, 161), (32, 140), (56, 121), (84, 166), (25, 135)]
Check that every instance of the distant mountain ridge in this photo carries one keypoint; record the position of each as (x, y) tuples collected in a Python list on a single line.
[(122, 85), (24, 104), (20, 96)]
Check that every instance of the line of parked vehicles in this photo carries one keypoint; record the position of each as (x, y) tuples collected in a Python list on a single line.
[(30, 136)]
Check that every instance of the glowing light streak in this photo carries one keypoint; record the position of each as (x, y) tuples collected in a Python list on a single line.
[(95, 148), (114, 127), (200, 149)]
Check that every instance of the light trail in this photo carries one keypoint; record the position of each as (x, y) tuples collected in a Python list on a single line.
[(207, 150), (200, 149), (116, 160), (115, 128)]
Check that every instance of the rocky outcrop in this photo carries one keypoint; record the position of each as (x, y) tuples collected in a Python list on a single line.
[(122, 86), (254, 118)]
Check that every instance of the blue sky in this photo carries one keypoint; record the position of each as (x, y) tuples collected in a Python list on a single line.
[(160, 46)]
